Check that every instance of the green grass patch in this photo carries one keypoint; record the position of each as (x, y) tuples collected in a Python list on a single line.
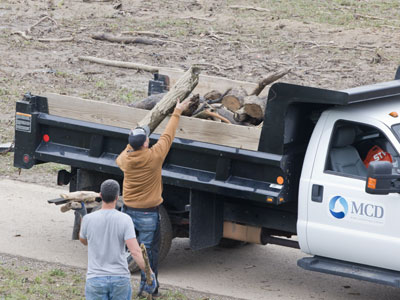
[(348, 13)]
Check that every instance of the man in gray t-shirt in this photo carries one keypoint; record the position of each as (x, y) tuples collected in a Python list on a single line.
[(106, 232)]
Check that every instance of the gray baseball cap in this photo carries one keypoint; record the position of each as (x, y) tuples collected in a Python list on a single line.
[(138, 136)]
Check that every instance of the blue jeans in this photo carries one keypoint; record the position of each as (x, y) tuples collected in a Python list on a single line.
[(108, 287), (147, 226)]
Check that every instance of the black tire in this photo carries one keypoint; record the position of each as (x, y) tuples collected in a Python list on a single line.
[(165, 243)]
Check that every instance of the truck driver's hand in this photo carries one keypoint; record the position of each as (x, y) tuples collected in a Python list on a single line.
[(182, 105)]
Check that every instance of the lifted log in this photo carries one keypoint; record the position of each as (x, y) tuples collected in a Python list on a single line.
[(183, 87)]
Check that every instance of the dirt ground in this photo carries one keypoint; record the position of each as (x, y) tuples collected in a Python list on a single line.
[(334, 44), (337, 45)]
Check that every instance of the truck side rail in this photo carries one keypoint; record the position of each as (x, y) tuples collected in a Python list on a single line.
[(229, 171)]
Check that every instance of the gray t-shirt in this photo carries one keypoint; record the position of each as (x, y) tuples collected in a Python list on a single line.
[(106, 231)]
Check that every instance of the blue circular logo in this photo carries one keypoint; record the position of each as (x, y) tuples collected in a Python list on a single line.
[(338, 207)]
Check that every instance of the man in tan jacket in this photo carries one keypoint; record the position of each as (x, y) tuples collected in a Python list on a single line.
[(142, 186)]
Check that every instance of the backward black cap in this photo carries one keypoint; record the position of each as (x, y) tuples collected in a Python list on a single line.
[(138, 136)]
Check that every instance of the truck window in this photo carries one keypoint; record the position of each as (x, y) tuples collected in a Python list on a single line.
[(353, 146)]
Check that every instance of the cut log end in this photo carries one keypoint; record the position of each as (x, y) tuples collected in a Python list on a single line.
[(233, 100)]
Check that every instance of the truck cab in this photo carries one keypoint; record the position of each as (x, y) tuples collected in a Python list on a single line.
[(337, 217)]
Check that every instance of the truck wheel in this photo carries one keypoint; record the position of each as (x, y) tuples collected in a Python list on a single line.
[(165, 243)]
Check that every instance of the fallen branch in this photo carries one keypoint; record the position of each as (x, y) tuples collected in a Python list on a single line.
[(269, 79), (40, 21), (48, 40), (197, 18), (368, 17), (249, 8), (149, 33), (120, 64), (125, 40), (23, 35)]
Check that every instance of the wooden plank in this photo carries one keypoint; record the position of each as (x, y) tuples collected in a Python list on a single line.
[(126, 117), (208, 83)]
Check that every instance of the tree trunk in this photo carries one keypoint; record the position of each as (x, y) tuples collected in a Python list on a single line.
[(182, 88), (255, 106), (233, 100)]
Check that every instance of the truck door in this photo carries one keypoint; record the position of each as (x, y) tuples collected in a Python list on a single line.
[(344, 222)]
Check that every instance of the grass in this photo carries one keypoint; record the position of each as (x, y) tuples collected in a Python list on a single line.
[(33, 283), (348, 13), (27, 281)]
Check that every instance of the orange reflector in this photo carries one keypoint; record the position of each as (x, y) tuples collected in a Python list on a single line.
[(371, 183), (269, 199), (394, 114), (279, 180), (281, 199)]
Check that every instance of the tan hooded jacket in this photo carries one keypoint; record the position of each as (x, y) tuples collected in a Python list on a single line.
[(142, 168)]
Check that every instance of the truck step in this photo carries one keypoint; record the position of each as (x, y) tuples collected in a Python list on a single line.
[(351, 270)]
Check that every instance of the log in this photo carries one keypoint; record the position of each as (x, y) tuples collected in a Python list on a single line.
[(269, 79), (77, 205), (255, 106), (183, 87), (233, 100), (193, 105), (227, 114), (86, 196), (70, 205), (125, 40), (151, 101), (212, 95), (148, 103), (240, 115)]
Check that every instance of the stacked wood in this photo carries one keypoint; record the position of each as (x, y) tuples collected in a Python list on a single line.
[(234, 106)]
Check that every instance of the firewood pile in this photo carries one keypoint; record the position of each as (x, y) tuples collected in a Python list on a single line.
[(233, 106), (74, 200)]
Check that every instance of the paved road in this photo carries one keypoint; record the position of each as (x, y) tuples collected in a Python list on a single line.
[(32, 228)]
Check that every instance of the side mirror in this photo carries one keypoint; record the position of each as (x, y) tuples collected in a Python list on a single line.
[(379, 180)]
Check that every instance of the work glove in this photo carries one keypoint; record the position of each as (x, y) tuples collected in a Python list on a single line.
[(149, 289), (82, 211)]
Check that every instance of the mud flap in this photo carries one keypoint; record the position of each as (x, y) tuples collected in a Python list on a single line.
[(206, 220)]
